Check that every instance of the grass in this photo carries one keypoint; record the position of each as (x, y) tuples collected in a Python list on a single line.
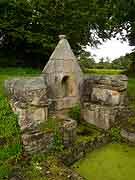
[(104, 71), (111, 162)]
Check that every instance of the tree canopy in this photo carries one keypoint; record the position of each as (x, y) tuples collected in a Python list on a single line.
[(123, 18), (29, 29)]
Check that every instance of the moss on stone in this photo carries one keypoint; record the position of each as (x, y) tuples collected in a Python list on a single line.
[(75, 112), (86, 133)]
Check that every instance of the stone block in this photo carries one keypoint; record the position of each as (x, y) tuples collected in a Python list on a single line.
[(59, 65), (69, 66), (101, 116), (31, 117), (105, 96), (65, 103), (31, 91), (68, 132), (110, 82), (102, 97), (37, 142)]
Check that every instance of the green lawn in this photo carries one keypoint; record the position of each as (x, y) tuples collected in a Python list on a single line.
[(111, 162), (104, 71)]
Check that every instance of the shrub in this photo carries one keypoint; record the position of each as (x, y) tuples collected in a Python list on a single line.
[(52, 125), (75, 113), (115, 134), (58, 145)]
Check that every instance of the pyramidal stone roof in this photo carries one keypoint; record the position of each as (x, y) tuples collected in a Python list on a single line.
[(62, 54), (63, 50)]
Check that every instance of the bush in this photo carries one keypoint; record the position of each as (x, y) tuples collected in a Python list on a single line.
[(52, 125), (75, 113), (58, 145), (115, 134)]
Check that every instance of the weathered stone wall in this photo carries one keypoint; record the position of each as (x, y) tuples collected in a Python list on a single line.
[(102, 97), (28, 99)]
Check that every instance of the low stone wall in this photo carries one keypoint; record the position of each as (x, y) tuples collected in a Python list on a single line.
[(78, 151), (102, 97)]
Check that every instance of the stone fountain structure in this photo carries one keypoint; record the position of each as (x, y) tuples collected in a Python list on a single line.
[(60, 87), (62, 75)]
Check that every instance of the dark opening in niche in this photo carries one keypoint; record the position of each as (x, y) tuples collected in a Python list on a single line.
[(65, 86)]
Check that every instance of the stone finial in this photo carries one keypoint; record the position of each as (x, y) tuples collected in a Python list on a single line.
[(62, 36)]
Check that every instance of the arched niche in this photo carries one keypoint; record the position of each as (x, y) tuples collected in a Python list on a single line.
[(68, 86), (65, 86)]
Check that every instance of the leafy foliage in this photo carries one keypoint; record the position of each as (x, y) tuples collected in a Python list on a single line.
[(115, 134), (58, 145), (29, 29), (51, 125), (86, 60), (75, 112), (122, 62)]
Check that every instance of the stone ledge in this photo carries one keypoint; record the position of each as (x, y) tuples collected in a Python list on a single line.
[(32, 91)]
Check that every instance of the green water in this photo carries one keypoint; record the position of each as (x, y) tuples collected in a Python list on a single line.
[(111, 162)]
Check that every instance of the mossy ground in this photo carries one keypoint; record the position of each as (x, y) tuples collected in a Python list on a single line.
[(111, 162), (86, 132)]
